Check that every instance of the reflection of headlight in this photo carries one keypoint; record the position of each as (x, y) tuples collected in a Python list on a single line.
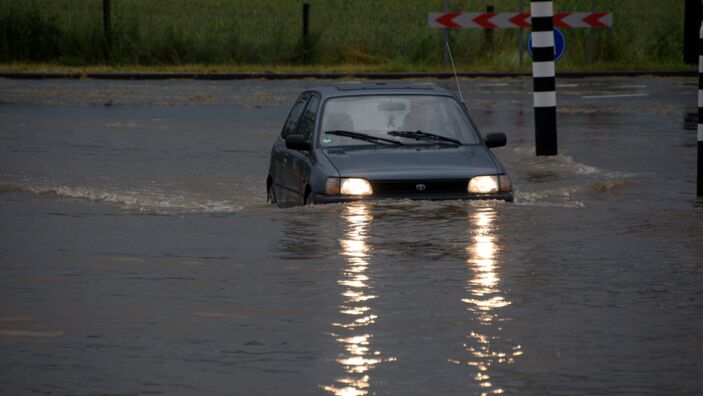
[(352, 186), (489, 184)]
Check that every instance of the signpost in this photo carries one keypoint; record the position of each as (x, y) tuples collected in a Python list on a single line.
[(544, 95), (516, 20), (546, 45), (560, 44)]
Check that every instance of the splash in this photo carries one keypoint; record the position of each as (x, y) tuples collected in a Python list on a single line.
[(559, 165), (555, 197), (142, 201), (559, 181)]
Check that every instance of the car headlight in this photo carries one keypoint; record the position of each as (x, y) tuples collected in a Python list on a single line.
[(347, 186), (489, 184), (354, 186)]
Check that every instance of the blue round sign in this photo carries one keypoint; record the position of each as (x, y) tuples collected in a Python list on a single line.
[(559, 44)]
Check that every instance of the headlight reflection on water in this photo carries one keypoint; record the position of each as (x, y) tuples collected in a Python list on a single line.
[(358, 358), (484, 299), (486, 348)]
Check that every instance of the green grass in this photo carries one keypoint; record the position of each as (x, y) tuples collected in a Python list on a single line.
[(346, 35)]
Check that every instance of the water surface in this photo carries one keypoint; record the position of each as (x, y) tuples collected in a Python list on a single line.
[(138, 254)]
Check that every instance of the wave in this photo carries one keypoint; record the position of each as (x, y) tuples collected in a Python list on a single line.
[(563, 165), (143, 201), (559, 180), (558, 197)]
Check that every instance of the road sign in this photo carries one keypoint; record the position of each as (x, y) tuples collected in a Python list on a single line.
[(516, 20), (560, 44)]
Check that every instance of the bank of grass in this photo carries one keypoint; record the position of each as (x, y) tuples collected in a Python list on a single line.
[(346, 36), (54, 68)]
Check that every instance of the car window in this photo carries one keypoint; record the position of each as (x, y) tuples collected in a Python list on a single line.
[(294, 116), (307, 123), (377, 115)]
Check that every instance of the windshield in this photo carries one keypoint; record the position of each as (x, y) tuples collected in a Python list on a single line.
[(379, 115)]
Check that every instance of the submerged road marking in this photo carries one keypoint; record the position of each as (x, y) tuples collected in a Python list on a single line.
[(615, 96), (629, 86)]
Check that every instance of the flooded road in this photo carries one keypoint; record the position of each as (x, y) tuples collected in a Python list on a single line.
[(138, 255)]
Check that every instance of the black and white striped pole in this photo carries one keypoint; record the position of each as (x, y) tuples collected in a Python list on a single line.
[(699, 121), (544, 97)]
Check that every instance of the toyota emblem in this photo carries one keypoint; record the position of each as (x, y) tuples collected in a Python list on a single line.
[(420, 187)]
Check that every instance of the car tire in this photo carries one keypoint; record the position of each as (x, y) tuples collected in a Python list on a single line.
[(270, 195), (309, 199)]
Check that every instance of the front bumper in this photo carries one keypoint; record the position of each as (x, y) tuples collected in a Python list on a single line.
[(325, 199)]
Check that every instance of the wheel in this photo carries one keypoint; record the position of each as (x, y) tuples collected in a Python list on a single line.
[(309, 199), (270, 195)]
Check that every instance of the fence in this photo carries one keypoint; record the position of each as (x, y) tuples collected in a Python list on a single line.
[(392, 32)]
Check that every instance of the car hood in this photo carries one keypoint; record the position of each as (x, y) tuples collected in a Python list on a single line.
[(412, 162)]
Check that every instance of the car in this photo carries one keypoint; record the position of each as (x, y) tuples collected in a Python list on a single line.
[(361, 141)]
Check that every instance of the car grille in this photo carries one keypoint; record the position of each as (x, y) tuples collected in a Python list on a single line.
[(415, 187)]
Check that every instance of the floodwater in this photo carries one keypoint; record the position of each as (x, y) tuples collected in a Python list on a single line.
[(138, 255)]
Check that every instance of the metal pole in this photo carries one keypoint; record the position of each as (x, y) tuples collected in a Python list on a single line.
[(591, 37), (523, 49), (544, 96), (446, 36)]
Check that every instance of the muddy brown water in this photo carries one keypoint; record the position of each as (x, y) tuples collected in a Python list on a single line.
[(138, 255)]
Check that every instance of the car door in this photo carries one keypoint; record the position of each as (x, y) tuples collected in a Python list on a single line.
[(279, 154), (301, 162)]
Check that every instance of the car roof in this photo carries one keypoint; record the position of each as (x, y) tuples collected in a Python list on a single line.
[(380, 88)]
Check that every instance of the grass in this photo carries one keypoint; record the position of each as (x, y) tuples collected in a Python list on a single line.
[(346, 36), (293, 68)]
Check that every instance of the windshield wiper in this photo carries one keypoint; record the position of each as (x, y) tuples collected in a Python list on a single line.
[(418, 135), (363, 136)]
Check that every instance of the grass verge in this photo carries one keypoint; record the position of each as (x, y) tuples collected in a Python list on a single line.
[(339, 68)]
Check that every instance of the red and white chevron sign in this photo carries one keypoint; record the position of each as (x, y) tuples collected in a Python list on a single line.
[(520, 20)]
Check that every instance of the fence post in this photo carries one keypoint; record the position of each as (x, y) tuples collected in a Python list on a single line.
[(699, 120), (489, 33), (523, 45), (591, 37), (306, 13), (544, 97), (692, 20), (446, 36), (107, 28), (306, 31)]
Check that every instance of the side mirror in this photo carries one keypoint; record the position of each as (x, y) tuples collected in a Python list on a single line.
[(297, 142), (495, 140)]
